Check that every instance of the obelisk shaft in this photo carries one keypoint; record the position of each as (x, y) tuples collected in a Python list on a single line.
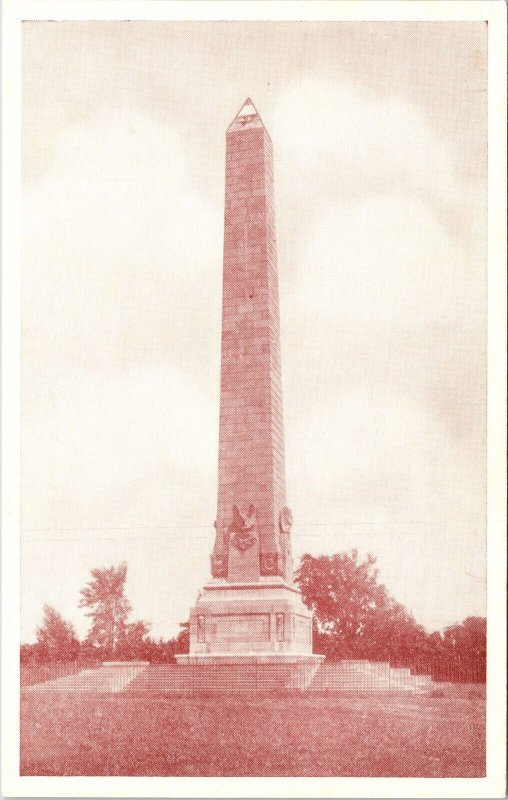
[(251, 612), (249, 541)]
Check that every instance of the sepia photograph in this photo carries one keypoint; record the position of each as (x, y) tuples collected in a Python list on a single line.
[(254, 399)]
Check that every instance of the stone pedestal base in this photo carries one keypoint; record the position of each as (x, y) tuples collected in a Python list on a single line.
[(260, 627)]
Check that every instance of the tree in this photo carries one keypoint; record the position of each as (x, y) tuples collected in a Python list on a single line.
[(467, 638), (135, 643), (56, 638), (465, 644), (182, 639), (28, 653), (109, 608), (354, 615), (164, 651), (391, 633)]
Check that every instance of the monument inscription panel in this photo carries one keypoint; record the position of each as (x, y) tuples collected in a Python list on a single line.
[(303, 631), (241, 627)]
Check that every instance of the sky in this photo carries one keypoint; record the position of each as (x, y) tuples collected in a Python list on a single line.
[(379, 134)]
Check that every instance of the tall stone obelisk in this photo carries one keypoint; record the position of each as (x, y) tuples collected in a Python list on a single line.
[(251, 607), (251, 439)]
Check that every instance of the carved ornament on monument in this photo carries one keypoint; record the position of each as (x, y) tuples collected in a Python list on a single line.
[(285, 520), (219, 565), (269, 564), (201, 628), (279, 627), (242, 528)]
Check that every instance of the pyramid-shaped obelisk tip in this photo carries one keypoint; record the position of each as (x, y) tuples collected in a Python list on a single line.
[(247, 117), (247, 109)]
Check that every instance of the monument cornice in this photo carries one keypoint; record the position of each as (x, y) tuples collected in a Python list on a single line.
[(261, 585)]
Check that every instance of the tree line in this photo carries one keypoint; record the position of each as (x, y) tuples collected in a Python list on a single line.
[(354, 617), (110, 635)]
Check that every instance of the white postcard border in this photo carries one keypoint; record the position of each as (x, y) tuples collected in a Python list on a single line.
[(494, 784)]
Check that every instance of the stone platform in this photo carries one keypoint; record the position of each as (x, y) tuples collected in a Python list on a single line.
[(229, 673)]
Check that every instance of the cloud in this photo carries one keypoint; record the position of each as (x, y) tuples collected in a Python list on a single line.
[(380, 459), (345, 135), (117, 376), (98, 446), (118, 243), (338, 143), (387, 260), (383, 297)]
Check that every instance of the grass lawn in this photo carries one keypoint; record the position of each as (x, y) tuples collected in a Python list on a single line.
[(292, 735)]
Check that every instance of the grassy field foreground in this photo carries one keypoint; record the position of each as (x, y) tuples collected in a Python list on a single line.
[(375, 735)]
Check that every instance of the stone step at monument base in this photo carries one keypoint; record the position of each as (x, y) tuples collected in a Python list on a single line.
[(110, 678), (368, 676), (230, 673), (207, 679), (231, 676)]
